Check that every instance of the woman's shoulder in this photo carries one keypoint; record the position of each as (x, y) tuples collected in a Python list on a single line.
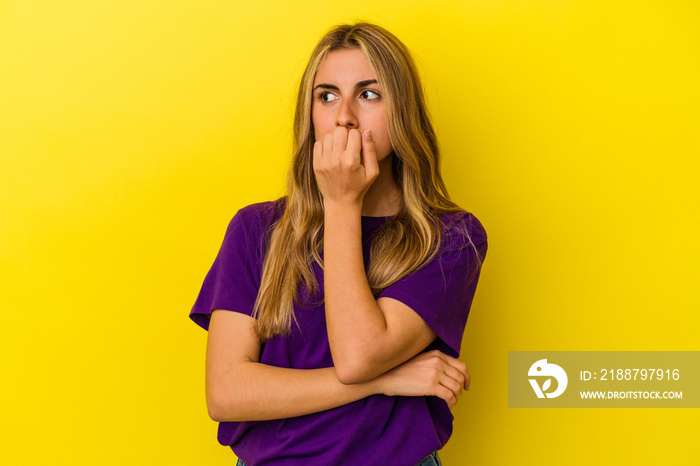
[(258, 217), (463, 223), (263, 209), (462, 231)]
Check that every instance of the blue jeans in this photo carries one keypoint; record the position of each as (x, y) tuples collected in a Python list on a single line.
[(430, 460)]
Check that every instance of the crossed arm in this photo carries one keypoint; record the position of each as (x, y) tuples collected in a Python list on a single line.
[(375, 346), (239, 388)]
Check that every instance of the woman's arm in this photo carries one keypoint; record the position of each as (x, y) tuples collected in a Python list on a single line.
[(367, 337), (239, 388)]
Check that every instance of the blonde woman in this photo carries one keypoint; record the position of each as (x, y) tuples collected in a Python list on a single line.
[(336, 313)]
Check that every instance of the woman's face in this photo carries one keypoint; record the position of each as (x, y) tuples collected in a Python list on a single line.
[(346, 93)]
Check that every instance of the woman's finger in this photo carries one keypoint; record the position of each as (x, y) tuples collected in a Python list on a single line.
[(369, 155), (458, 365), (340, 140), (447, 395), (354, 147), (452, 385), (455, 375), (328, 146)]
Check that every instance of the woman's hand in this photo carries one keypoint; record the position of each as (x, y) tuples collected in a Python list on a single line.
[(345, 164), (427, 374)]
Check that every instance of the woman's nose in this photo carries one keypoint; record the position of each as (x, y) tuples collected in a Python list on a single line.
[(346, 115)]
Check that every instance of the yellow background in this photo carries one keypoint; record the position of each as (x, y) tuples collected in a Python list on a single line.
[(132, 131)]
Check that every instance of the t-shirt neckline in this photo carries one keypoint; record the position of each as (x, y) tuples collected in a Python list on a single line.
[(370, 223)]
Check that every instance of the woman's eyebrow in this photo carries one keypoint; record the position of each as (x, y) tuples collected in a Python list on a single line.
[(364, 83)]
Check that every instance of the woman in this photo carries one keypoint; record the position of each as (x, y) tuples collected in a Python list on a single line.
[(335, 314)]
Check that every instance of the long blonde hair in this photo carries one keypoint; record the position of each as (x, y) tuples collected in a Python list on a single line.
[(405, 242)]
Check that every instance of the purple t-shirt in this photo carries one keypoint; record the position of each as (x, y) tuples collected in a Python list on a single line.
[(377, 430)]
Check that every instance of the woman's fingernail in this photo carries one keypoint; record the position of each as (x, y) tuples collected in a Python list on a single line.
[(368, 135)]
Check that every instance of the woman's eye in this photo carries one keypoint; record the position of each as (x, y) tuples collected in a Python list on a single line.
[(369, 94), (326, 97)]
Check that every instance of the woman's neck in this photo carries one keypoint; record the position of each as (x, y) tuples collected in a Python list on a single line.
[(384, 197)]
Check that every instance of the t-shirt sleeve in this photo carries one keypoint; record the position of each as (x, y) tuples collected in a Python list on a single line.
[(441, 292), (233, 281)]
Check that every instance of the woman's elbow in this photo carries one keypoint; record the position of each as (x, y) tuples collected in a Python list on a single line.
[(352, 371), (222, 406), (214, 414), (214, 406)]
